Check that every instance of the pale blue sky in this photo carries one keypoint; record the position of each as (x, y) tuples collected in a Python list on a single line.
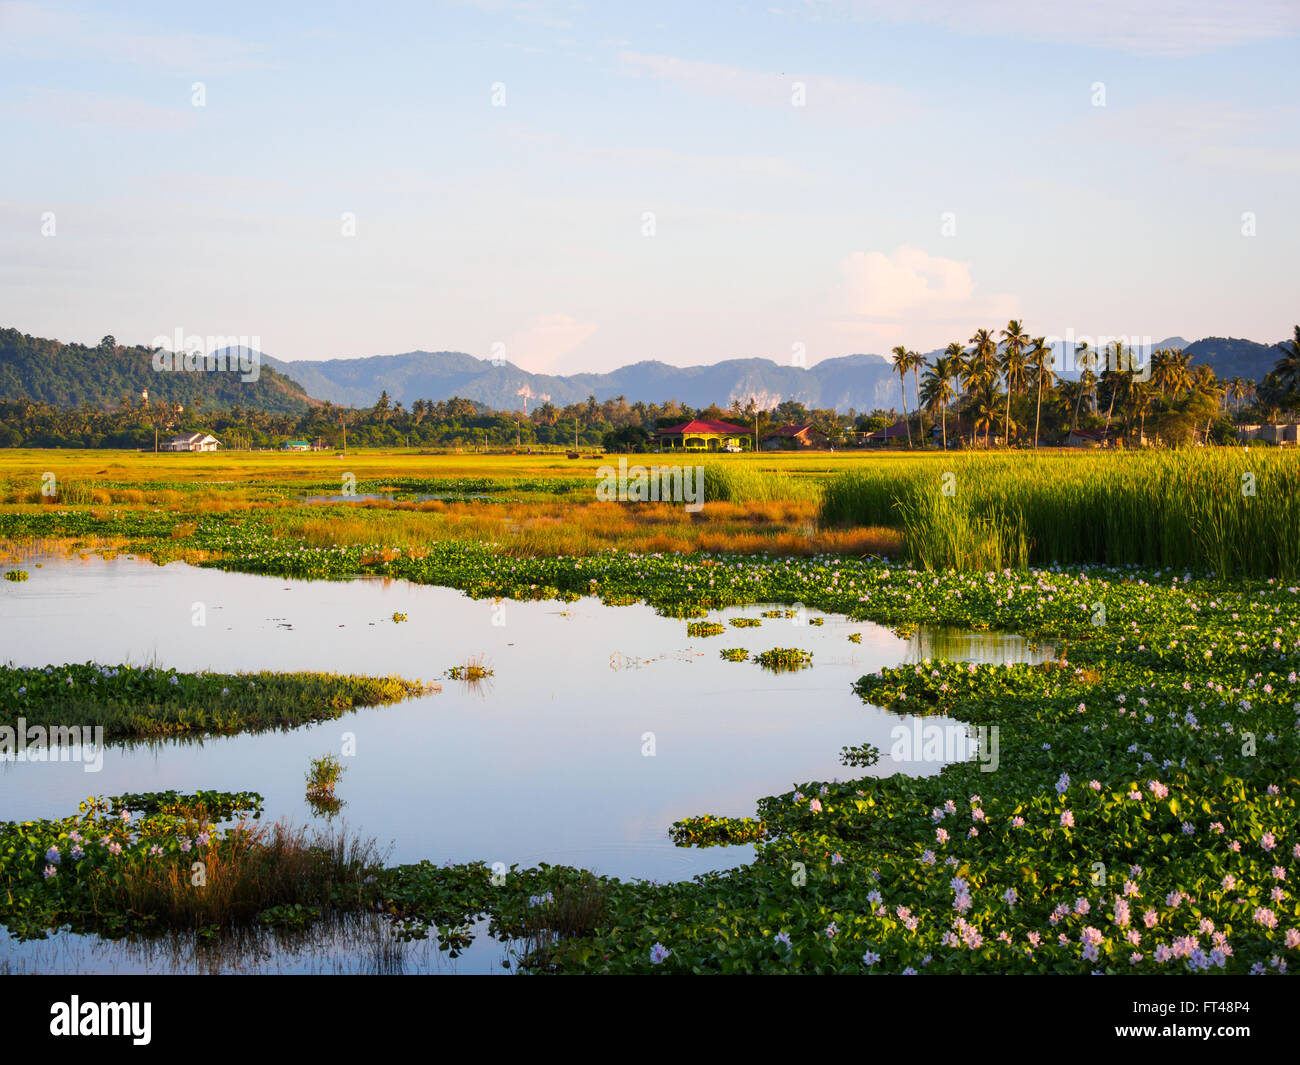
[(774, 225)]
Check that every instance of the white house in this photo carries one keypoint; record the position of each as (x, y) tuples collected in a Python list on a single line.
[(192, 442)]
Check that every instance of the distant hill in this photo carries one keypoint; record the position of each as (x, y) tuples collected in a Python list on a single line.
[(1230, 358), (70, 375), (863, 382), (860, 382)]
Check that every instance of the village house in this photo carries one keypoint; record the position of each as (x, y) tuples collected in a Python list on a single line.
[(891, 434), (191, 442), (793, 438), (702, 434), (1282, 435), (1087, 438)]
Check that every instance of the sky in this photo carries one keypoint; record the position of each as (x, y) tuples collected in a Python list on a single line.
[(575, 187)]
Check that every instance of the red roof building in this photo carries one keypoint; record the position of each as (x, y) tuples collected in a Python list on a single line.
[(702, 434)]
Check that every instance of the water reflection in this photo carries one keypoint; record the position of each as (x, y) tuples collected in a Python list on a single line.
[(547, 762)]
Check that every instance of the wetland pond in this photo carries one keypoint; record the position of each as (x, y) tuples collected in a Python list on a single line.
[(544, 761)]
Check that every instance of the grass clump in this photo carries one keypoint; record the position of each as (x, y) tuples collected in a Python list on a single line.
[(162, 862)]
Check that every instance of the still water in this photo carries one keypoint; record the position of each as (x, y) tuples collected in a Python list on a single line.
[(547, 760)]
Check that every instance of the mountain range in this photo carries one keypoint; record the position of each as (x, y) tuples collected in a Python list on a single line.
[(860, 382), (66, 375)]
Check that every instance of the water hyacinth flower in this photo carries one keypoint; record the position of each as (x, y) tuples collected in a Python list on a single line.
[(815, 806), (52, 855), (783, 938), (837, 858), (50, 871), (658, 953), (77, 854), (831, 931), (1091, 938), (869, 958), (1067, 819)]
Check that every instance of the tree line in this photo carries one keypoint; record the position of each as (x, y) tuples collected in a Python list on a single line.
[(1003, 388)]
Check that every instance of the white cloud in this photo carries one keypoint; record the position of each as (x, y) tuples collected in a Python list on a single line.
[(880, 286), (1149, 27), (838, 100), (914, 298), (540, 345)]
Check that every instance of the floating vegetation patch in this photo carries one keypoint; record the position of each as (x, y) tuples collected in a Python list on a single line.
[(784, 659), (475, 669), (745, 623), (704, 628), (130, 702), (734, 654), (865, 754), (708, 831)]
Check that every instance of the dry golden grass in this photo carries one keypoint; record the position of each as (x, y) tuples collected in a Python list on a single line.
[(547, 529)]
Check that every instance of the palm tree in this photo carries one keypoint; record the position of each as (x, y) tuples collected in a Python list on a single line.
[(917, 360), (1040, 368), (982, 369), (903, 363), (1015, 340), (1140, 398), (1203, 382), (954, 355), (1113, 375), (1086, 359), (938, 390), (1179, 374), (1235, 392), (1287, 370)]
